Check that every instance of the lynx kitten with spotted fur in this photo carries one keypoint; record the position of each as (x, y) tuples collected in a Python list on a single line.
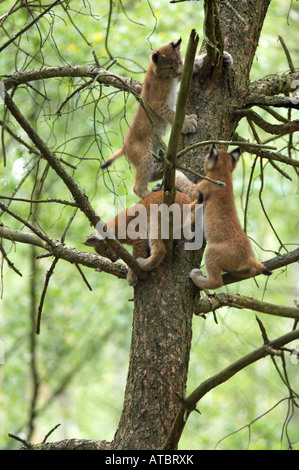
[(228, 247), (159, 93), (149, 238)]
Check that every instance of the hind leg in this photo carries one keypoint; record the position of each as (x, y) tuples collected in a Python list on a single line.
[(214, 270), (143, 175), (213, 281), (156, 171), (158, 251), (140, 249)]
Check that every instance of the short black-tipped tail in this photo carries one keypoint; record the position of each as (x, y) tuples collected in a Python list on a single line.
[(106, 164), (267, 272), (201, 197), (113, 157), (260, 267)]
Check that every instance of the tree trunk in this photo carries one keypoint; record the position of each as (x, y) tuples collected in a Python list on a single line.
[(159, 358), (164, 303)]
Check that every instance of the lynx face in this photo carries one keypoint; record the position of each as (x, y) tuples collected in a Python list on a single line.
[(101, 247), (168, 61)]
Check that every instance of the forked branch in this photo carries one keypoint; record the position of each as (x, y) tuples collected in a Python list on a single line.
[(80, 198), (61, 251), (188, 404)]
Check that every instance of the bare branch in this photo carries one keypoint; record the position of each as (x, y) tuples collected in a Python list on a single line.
[(189, 403), (9, 263), (287, 53), (266, 92), (273, 85), (43, 295), (176, 130), (240, 142), (80, 198), (277, 129), (212, 302), (213, 39), (98, 74), (275, 101), (60, 250), (271, 264), (40, 201), (250, 148)]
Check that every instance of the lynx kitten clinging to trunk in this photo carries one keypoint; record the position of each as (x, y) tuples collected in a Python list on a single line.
[(159, 93), (228, 248), (146, 234)]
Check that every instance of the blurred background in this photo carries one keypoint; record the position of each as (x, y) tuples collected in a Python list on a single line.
[(74, 372)]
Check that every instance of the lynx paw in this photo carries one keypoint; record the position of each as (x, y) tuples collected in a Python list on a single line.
[(195, 273), (190, 124), (158, 187), (227, 61), (196, 276), (132, 278), (143, 263), (198, 63)]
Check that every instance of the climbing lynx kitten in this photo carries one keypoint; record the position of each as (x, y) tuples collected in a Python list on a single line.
[(123, 226), (228, 247), (160, 93)]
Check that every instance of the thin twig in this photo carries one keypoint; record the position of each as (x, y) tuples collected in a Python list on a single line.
[(43, 295), (238, 143), (26, 223), (79, 197), (28, 26), (27, 444), (200, 175), (41, 201), (189, 403), (9, 263), (49, 433)]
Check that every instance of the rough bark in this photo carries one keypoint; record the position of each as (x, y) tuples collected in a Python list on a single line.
[(159, 357), (163, 304)]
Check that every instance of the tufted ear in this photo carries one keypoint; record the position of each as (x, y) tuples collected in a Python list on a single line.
[(176, 44), (155, 56), (211, 158), (235, 154)]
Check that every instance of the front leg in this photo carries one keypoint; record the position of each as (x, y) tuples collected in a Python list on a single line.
[(190, 121), (140, 250), (227, 61)]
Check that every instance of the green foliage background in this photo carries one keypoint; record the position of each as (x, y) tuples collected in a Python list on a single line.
[(83, 348)]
